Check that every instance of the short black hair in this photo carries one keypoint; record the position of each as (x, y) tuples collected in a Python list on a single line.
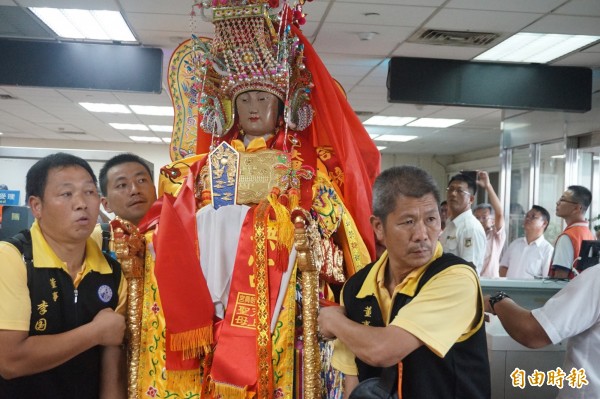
[(405, 180), (37, 176), (544, 212), (462, 177), (484, 206), (118, 160), (582, 196)]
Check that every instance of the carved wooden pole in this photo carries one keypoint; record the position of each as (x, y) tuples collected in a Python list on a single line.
[(129, 247), (305, 236)]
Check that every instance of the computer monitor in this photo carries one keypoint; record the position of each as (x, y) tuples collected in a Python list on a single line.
[(15, 219), (589, 253)]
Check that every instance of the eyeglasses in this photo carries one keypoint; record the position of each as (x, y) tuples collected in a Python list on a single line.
[(561, 199), (456, 190)]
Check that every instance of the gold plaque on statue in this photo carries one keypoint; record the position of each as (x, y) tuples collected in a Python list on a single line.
[(259, 172)]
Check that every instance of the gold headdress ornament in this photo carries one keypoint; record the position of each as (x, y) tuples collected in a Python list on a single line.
[(253, 49)]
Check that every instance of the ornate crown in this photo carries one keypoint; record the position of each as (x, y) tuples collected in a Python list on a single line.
[(253, 49)]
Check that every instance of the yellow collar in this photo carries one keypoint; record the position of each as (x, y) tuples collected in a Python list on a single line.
[(375, 280), (256, 144), (44, 256)]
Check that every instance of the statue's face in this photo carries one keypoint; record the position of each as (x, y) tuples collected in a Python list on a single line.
[(257, 112)]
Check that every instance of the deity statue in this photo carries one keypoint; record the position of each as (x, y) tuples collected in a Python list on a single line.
[(263, 212)]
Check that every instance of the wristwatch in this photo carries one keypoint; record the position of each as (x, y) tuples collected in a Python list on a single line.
[(500, 295)]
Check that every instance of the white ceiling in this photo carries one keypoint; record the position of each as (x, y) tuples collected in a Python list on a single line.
[(333, 26)]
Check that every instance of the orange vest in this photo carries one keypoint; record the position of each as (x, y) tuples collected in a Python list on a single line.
[(577, 232)]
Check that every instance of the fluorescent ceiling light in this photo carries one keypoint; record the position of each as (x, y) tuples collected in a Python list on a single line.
[(561, 156), (129, 126), (146, 139), (435, 122), (380, 147), (115, 25), (166, 139), (388, 120), (395, 137), (161, 128), (73, 23), (536, 47), (100, 107), (152, 110)]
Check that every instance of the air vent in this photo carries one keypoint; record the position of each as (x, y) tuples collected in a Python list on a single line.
[(363, 113), (453, 38), (7, 97)]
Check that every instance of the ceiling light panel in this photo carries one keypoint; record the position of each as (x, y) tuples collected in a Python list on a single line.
[(101, 107), (146, 139), (395, 138), (56, 20), (152, 110), (84, 22), (435, 122), (536, 47), (118, 29), (161, 128), (129, 126), (388, 120), (72, 23)]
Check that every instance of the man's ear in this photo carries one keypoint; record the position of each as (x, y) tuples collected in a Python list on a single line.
[(104, 202), (377, 225), (35, 204)]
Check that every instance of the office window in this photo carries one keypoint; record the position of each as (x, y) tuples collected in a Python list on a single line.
[(551, 184)]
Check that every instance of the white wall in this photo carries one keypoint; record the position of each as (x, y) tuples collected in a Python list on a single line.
[(434, 164), (158, 154)]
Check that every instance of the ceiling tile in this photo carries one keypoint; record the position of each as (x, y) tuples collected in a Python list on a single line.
[(573, 25), (391, 15), (481, 21), (580, 7), (537, 6), (334, 38)]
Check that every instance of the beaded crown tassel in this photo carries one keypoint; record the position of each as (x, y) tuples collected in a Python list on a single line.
[(253, 49)]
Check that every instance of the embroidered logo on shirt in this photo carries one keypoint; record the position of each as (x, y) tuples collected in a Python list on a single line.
[(105, 293), (40, 325), (42, 308), (468, 242)]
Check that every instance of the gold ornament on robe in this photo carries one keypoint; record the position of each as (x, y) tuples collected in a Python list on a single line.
[(306, 243), (129, 247)]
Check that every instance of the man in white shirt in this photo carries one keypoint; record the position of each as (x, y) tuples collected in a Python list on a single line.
[(573, 313), (491, 217), (529, 257), (463, 236)]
